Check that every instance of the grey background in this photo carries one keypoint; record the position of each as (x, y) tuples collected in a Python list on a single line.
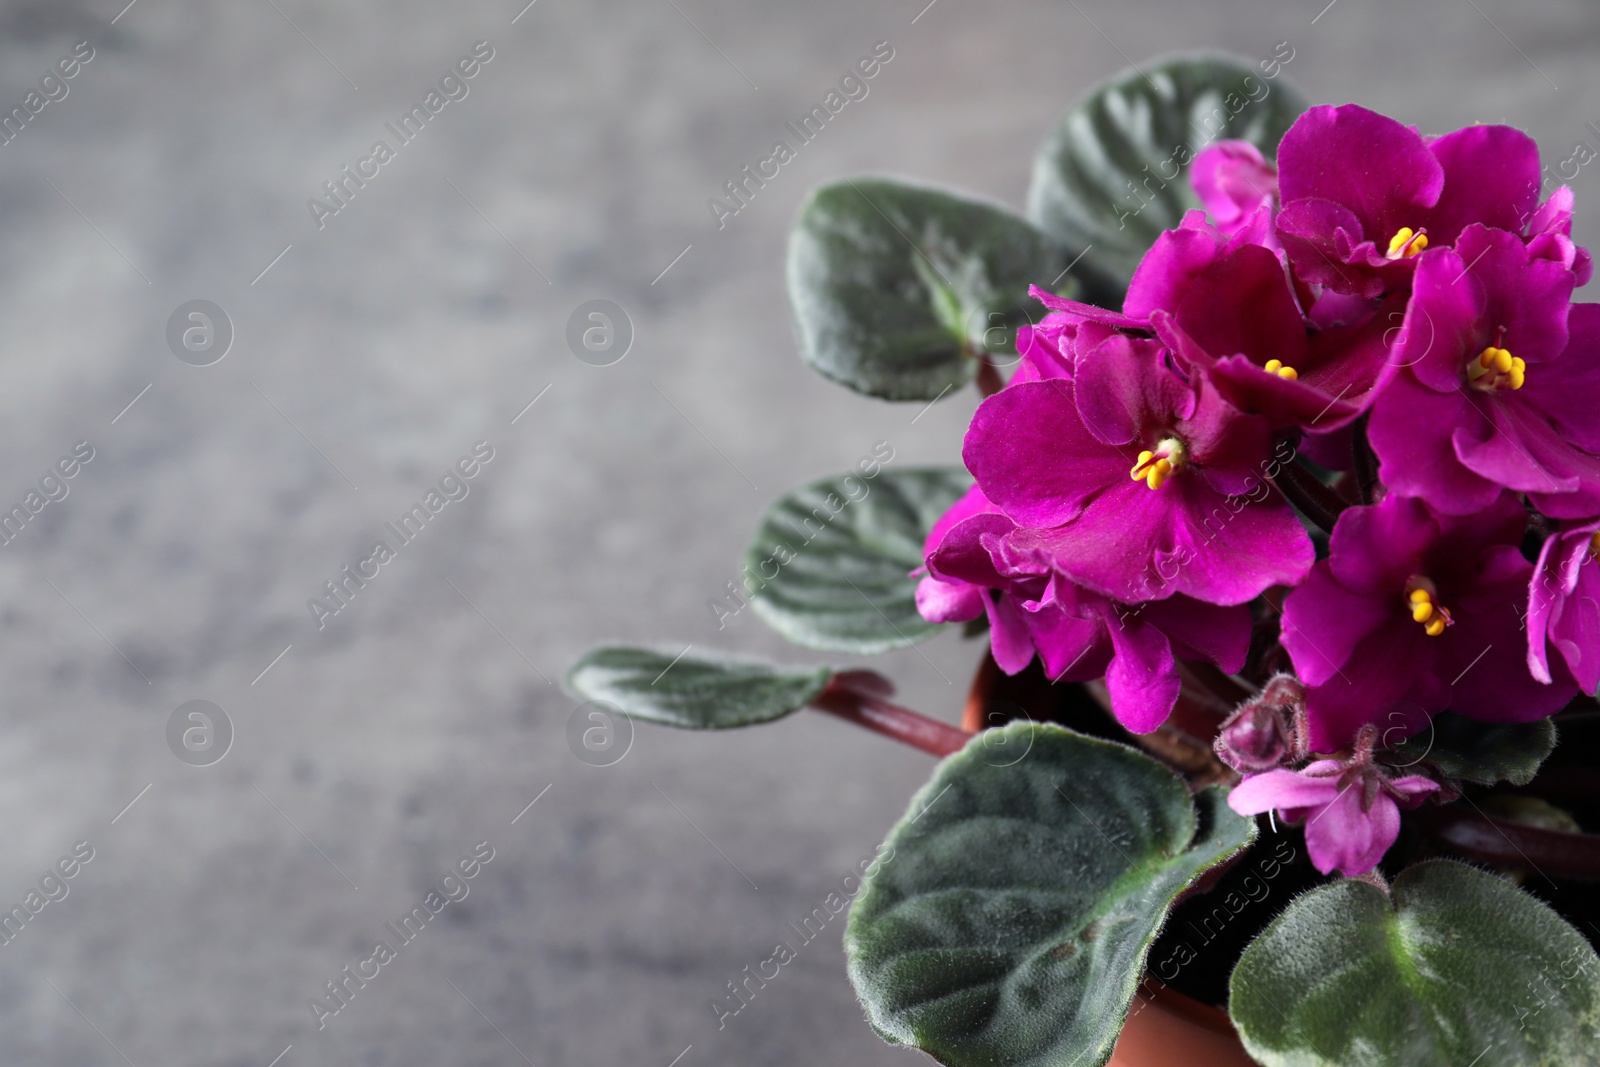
[(417, 723)]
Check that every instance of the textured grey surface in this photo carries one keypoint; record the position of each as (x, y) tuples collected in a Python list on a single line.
[(420, 320)]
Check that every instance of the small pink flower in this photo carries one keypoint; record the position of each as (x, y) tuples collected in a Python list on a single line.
[(1351, 809), (1234, 181)]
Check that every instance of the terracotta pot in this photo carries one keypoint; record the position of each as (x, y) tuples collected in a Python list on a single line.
[(1164, 1027)]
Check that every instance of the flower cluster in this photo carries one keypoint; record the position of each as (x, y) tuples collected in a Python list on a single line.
[(1395, 309)]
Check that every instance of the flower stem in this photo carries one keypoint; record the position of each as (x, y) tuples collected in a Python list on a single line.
[(1366, 464), (909, 727), (1305, 491), (988, 380)]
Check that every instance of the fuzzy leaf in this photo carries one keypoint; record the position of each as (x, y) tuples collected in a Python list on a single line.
[(851, 544), (698, 691), (1114, 174), (897, 289), (1454, 967), (1026, 883)]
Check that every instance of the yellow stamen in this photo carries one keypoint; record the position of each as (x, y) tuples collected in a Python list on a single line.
[(1275, 366), (1496, 368), (1421, 605), (1407, 242), (1430, 615), (1156, 465)]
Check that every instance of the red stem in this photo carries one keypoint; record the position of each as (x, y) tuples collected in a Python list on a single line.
[(1366, 464), (1305, 491), (909, 727), (988, 380), (1488, 840)]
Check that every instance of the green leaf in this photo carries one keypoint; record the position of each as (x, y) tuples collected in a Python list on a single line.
[(1156, 118), (1011, 921), (1481, 752), (896, 289), (837, 555), (693, 690), (1454, 967)]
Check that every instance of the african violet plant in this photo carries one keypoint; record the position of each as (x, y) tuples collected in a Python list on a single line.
[(1299, 547)]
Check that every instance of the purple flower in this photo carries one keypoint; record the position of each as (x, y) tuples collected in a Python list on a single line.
[(1363, 194), (1234, 181), (1166, 272), (1351, 810), (1262, 360), (1078, 634), (1494, 382), (939, 600), (1550, 236), (1137, 482), (1564, 605), (1049, 349), (1189, 291), (1414, 612)]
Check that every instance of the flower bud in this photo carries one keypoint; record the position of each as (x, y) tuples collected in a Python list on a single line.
[(1258, 737)]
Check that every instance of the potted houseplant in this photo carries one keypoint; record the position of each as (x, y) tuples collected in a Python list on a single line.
[(1288, 574)]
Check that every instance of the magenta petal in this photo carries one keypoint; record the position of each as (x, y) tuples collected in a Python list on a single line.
[(1483, 658), (940, 601), (1442, 328), (1078, 310), (1284, 403), (1074, 649), (1192, 540), (1376, 549), (1526, 297), (963, 557), (1413, 430), (1233, 180), (1321, 237), (1378, 168), (1247, 278), (1125, 387), (1034, 457), (1218, 634), (1047, 349), (972, 502), (1168, 269), (1491, 176), (1546, 592), (1566, 390), (1234, 449), (1341, 837), (1323, 622), (1143, 676), (1009, 640), (1575, 628), (1522, 451), (1281, 789), (1391, 680), (1555, 214), (1414, 788)]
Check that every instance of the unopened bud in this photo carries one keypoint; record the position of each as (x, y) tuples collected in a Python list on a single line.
[(1259, 735)]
